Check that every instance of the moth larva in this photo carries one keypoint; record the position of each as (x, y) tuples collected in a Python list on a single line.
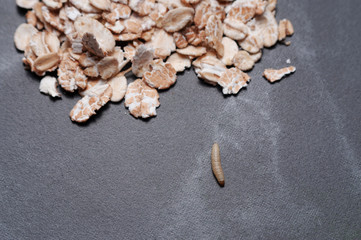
[(216, 164)]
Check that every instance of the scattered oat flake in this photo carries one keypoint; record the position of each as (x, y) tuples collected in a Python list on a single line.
[(101, 4), (84, 5), (252, 44), (141, 99), (119, 86), (129, 51), (179, 62), (95, 37), (209, 68), (86, 107), (142, 7), (230, 50), (243, 10), (70, 75), (192, 51), (273, 75), (206, 9), (31, 18), (285, 29), (234, 29), (47, 62), (176, 19), (142, 59), (48, 85), (28, 4), (180, 40), (23, 35), (161, 75), (53, 4), (117, 27), (256, 56), (232, 80), (94, 87), (118, 11), (162, 43), (214, 33), (190, 1), (243, 61), (267, 27), (52, 18), (105, 68)]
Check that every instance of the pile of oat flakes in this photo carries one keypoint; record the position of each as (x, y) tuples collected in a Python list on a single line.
[(90, 42)]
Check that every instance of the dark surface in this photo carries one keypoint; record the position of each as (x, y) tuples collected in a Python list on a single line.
[(290, 151)]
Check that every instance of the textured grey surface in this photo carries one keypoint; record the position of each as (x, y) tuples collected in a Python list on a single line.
[(291, 150)]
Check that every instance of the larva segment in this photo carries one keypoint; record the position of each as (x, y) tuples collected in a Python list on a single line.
[(216, 164)]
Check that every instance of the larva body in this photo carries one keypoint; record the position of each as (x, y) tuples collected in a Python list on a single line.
[(216, 164)]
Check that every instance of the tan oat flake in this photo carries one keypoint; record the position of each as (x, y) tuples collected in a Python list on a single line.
[(243, 10), (206, 9), (209, 68), (176, 19), (119, 86), (180, 40), (95, 37), (214, 33), (190, 1), (273, 75), (141, 60), (161, 75), (162, 43), (285, 29), (86, 107), (232, 80), (179, 62), (142, 7), (118, 11), (53, 4), (23, 35), (101, 4), (252, 44), (47, 62), (70, 75), (84, 5), (235, 30), (141, 99), (28, 4), (94, 87), (192, 51), (31, 18), (243, 61), (230, 50)]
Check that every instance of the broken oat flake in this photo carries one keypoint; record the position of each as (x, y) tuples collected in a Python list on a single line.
[(48, 85), (273, 75)]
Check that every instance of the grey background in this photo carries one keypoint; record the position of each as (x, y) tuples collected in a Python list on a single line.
[(290, 151)]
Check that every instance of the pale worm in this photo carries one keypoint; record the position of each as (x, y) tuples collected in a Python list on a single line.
[(216, 164)]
